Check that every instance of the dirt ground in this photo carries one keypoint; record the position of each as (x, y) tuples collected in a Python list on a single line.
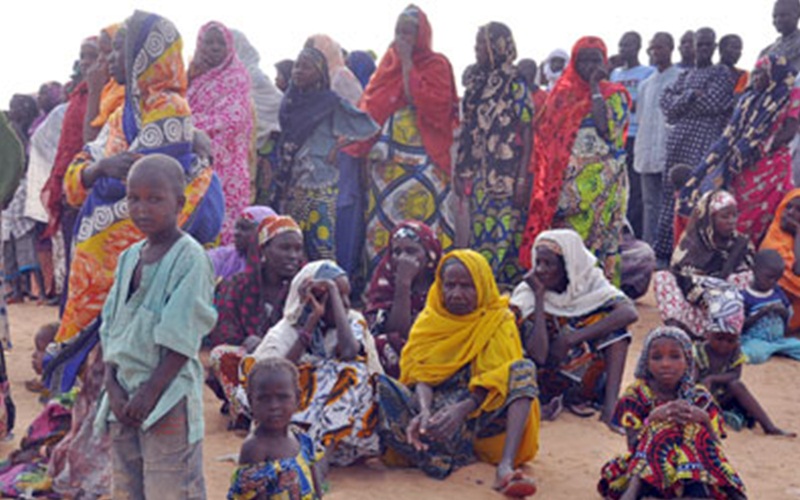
[(572, 450)]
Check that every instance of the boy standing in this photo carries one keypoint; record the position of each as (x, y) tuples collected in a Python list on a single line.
[(157, 312)]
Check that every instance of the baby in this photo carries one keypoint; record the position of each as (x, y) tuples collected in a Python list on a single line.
[(767, 312), (43, 338)]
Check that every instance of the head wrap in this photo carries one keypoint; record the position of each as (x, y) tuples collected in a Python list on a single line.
[(783, 242), (642, 371), (257, 213), (553, 76), (274, 225), (343, 81)]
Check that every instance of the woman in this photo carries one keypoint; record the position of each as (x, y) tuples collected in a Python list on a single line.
[(783, 236), (105, 93), (412, 95), (283, 74), (712, 260), (573, 325), (580, 180), (219, 95), (465, 389), (399, 288), (494, 152), (343, 81), (362, 64), (232, 259), (752, 158), (315, 122), (249, 305), (335, 354)]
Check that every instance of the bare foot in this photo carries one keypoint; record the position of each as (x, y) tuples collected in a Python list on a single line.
[(775, 431)]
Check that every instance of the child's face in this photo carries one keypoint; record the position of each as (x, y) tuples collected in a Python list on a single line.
[(766, 278), (722, 343), (667, 362), (273, 399), (153, 203)]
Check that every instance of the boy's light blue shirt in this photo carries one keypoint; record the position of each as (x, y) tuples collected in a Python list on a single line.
[(171, 310), (630, 78)]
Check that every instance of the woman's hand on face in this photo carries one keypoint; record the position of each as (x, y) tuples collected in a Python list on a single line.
[(445, 422), (314, 299), (417, 428), (535, 284), (406, 270), (598, 76), (404, 50)]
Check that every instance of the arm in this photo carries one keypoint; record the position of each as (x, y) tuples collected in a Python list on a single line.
[(117, 397), (96, 80), (400, 317), (146, 398), (737, 255), (623, 314), (786, 133), (723, 378), (347, 346), (523, 186), (599, 110), (676, 101), (716, 99)]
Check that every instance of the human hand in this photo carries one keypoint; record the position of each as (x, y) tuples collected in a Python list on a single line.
[(404, 51), (118, 400), (686, 413), (663, 413), (97, 76), (445, 422), (141, 405), (417, 428), (406, 270), (117, 166), (599, 75), (536, 285)]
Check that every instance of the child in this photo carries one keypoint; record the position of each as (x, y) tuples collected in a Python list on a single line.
[(767, 312), (156, 314), (719, 362), (673, 428), (43, 338), (275, 461)]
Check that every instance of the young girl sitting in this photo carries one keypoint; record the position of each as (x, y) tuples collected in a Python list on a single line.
[(673, 427), (276, 461), (719, 362), (767, 312)]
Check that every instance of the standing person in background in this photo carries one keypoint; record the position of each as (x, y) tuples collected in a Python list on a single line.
[(412, 95), (553, 67), (686, 49), (494, 151), (650, 150), (362, 64), (579, 178), (631, 74), (343, 81), (283, 74), (697, 106), (106, 94), (730, 51), (219, 95), (528, 69)]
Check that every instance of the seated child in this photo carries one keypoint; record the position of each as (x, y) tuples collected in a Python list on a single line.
[(155, 316), (674, 429), (43, 338), (767, 312), (276, 461), (678, 177), (719, 362)]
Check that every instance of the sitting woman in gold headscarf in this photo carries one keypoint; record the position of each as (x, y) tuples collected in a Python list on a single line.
[(465, 389)]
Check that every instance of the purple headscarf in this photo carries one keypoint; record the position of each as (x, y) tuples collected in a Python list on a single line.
[(227, 260)]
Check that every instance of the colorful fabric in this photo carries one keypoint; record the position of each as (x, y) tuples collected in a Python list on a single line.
[(766, 336), (405, 184), (270, 227), (783, 242), (630, 78), (696, 123), (481, 436), (316, 211), (70, 143), (111, 98), (433, 92), (580, 178), (284, 479), (222, 107), (343, 81), (362, 64), (380, 294), (155, 118), (224, 363), (587, 287), (227, 260)]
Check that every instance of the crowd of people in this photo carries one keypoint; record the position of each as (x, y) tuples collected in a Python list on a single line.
[(378, 267)]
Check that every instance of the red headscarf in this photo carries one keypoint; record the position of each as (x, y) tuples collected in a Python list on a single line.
[(566, 107), (433, 89)]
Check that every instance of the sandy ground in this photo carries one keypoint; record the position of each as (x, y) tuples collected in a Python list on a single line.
[(572, 450)]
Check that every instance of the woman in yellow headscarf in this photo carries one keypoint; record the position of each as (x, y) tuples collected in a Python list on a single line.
[(465, 388)]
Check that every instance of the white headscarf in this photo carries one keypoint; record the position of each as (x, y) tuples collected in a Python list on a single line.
[(587, 287), (266, 96), (343, 81), (553, 76)]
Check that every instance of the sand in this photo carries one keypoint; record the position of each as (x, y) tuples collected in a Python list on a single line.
[(572, 449)]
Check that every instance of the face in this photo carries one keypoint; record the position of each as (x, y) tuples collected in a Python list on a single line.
[(88, 57), (22, 110), (273, 399), (660, 51), (724, 222), (527, 69), (482, 49), (284, 254), (153, 202), (686, 47), (722, 343), (47, 99), (785, 17), (549, 268), (105, 43), (731, 52), (629, 47), (116, 60), (704, 47), (406, 247), (213, 48), (667, 362), (759, 79), (765, 278), (557, 64), (791, 213), (305, 73), (460, 294), (406, 32), (587, 62), (243, 233)]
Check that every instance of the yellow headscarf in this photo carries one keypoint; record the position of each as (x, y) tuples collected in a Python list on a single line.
[(441, 343)]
